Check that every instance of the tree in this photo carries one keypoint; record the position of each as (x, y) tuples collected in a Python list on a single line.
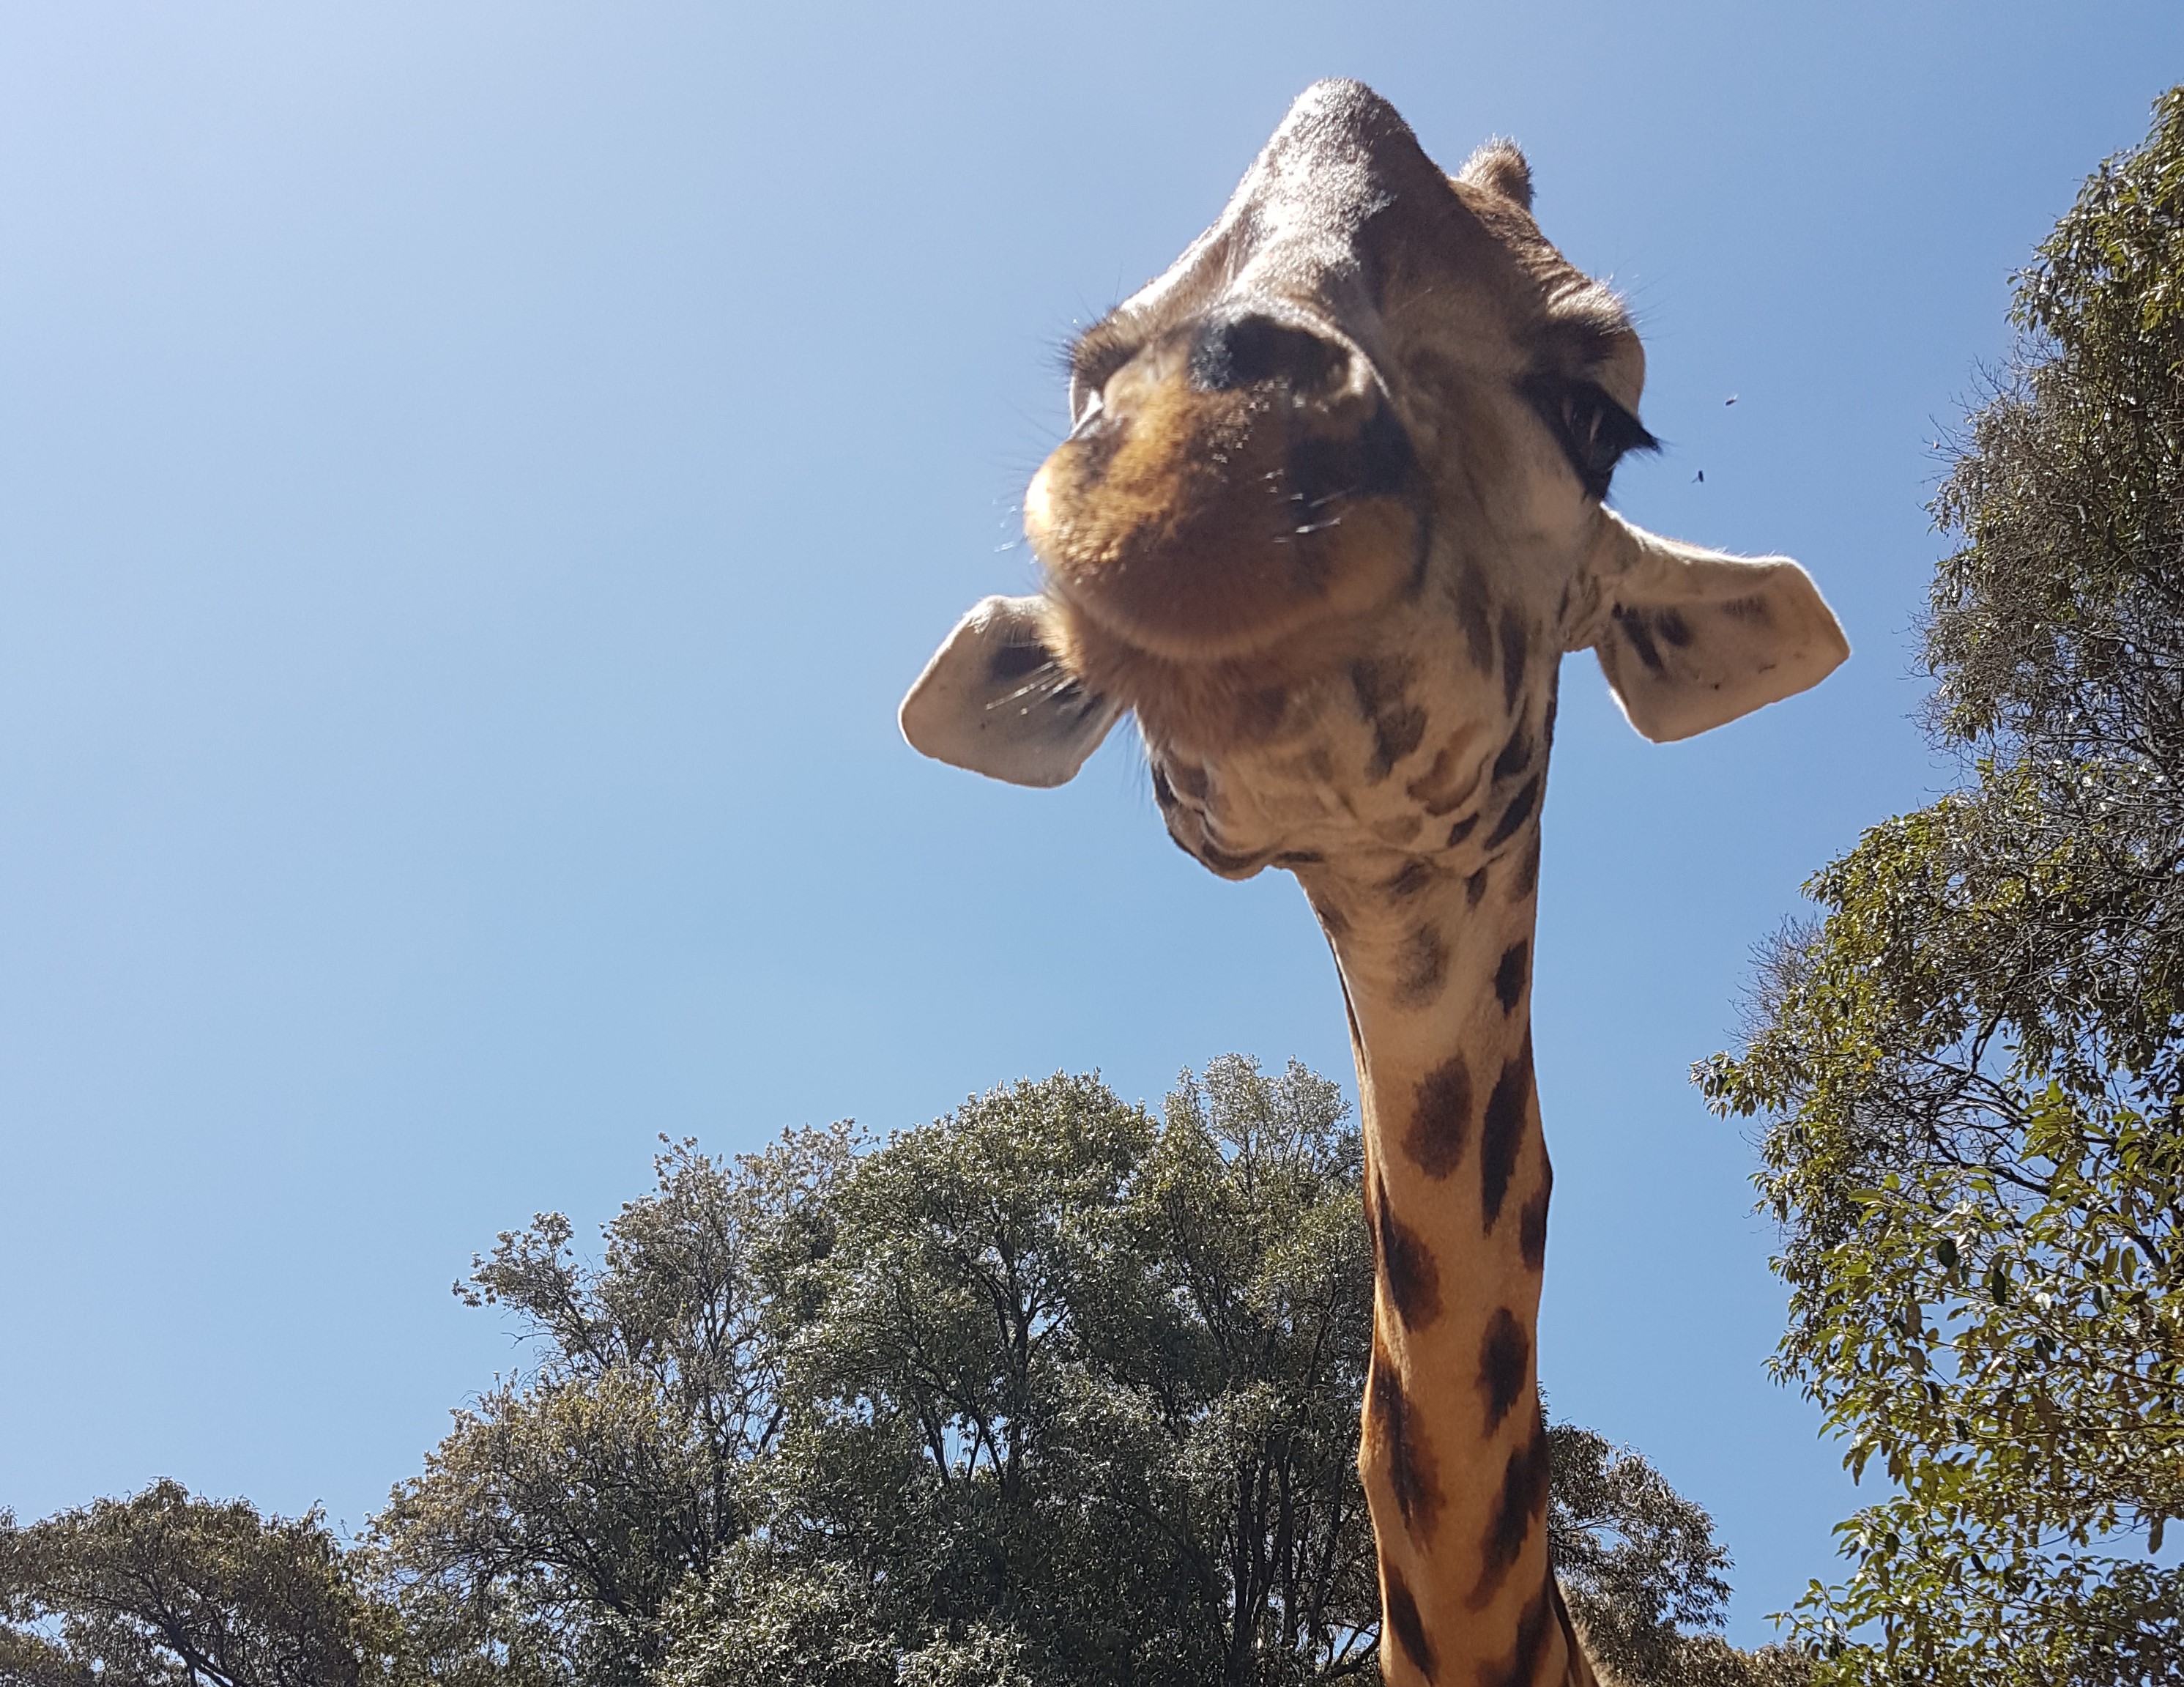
[(1082, 1399), (550, 1529), (1970, 1066), (1050, 1393), (1082, 1393), (1053, 1392), (164, 1589), (1640, 1565), (1250, 1218)]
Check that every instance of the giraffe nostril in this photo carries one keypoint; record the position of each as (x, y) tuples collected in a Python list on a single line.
[(1243, 351)]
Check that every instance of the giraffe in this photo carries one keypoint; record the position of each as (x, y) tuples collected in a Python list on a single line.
[(1329, 513)]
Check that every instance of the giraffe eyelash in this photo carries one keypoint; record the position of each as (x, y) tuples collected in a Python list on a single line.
[(1595, 431)]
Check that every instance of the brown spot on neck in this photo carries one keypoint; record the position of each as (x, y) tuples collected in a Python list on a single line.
[(1509, 976), (1440, 1118), (1522, 1507), (1409, 1458), (1505, 1359), (1406, 1265), (1502, 1132), (1527, 878), (1516, 756), (1398, 723), (1411, 877), (1518, 812), (1472, 612), (1532, 1224), (1536, 1623), (1402, 1608), (1424, 964), (1515, 646)]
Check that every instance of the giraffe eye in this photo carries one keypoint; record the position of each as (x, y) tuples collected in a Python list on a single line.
[(1088, 388), (1583, 419), (1594, 432), (1100, 351), (1086, 401)]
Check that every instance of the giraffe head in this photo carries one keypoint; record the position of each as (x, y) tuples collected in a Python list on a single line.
[(1330, 511)]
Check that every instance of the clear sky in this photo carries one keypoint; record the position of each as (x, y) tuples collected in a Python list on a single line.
[(476, 479)]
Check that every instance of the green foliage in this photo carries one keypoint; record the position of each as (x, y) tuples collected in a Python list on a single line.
[(1639, 1567), (1082, 1389), (550, 1529), (165, 1590), (1050, 1393), (1635, 1558), (1971, 1066), (763, 1617)]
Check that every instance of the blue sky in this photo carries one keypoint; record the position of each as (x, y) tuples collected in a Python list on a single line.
[(476, 480)]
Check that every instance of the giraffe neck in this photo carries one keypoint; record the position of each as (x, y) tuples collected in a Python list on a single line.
[(1436, 967)]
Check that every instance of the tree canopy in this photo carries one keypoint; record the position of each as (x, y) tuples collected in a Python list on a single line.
[(167, 1590), (1970, 1066), (1052, 1392), (1081, 1390)]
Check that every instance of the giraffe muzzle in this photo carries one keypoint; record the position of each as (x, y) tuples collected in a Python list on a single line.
[(1236, 480)]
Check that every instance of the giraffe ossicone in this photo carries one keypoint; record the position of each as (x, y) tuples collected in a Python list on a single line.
[(1328, 515)]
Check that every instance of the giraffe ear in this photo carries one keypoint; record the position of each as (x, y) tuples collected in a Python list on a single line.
[(995, 699), (1499, 167), (1691, 638)]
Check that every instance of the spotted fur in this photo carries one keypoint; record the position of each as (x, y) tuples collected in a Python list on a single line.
[(1410, 1628), (1509, 975), (1405, 1265), (1532, 1224), (1505, 1359), (1440, 1118), (1405, 1453), (1522, 1505), (1516, 814), (1502, 1132), (1425, 967)]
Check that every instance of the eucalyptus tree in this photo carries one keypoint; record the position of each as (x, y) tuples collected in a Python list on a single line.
[(1971, 1068)]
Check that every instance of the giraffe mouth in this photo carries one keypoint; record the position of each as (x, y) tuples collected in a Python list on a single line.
[(1228, 486)]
